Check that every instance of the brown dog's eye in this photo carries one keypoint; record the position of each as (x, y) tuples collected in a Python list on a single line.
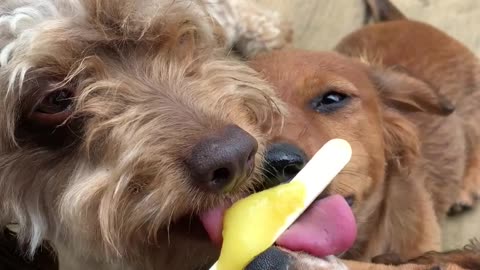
[(54, 108), (329, 102)]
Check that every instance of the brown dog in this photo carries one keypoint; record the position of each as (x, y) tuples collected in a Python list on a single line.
[(392, 94)]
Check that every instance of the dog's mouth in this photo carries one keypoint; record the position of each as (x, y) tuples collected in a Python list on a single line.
[(326, 228)]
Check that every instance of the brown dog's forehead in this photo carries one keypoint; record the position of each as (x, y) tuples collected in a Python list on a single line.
[(300, 63), (296, 70)]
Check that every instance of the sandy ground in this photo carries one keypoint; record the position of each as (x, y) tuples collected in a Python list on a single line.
[(320, 24)]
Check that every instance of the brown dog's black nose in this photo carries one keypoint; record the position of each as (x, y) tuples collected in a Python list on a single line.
[(283, 162), (222, 159)]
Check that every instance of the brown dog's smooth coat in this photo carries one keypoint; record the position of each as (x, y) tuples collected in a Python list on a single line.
[(405, 95), (449, 68)]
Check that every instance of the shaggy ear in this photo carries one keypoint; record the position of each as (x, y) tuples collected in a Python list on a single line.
[(402, 145), (403, 92)]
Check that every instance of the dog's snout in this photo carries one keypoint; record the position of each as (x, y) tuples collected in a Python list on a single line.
[(222, 159), (284, 161)]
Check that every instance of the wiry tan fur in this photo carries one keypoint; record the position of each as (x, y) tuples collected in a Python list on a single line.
[(108, 187)]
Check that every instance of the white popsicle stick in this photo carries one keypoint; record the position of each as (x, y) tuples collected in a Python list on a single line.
[(316, 175)]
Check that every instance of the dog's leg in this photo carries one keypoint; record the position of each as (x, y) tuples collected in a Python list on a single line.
[(470, 189), (249, 28), (477, 186), (470, 115), (472, 177), (465, 200), (383, 10)]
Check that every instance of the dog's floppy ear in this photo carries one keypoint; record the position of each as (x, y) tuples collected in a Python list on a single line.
[(401, 91), (402, 146)]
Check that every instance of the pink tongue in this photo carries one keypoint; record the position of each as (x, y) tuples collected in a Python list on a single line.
[(326, 228)]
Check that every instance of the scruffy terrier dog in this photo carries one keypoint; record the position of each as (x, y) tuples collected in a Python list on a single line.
[(121, 122)]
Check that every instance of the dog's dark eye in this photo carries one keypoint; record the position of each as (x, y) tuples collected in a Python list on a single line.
[(329, 102), (56, 102), (54, 108)]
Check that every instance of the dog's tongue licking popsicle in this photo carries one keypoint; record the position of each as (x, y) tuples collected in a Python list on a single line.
[(256, 222)]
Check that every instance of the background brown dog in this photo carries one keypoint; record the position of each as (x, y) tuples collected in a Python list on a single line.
[(320, 25), (393, 100)]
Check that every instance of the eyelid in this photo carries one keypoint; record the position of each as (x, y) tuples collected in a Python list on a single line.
[(341, 86)]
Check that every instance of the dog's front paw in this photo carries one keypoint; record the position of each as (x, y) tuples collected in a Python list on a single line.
[(279, 259), (464, 202)]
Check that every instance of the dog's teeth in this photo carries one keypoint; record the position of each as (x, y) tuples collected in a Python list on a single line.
[(273, 211)]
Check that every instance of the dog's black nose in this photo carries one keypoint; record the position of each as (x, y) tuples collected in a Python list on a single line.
[(222, 159), (283, 162)]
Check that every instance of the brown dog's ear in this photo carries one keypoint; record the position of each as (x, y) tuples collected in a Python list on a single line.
[(401, 91), (402, 146)]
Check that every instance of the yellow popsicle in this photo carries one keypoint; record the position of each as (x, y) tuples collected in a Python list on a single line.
[(254, 223)]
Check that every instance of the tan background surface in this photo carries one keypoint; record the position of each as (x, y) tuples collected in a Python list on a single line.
[(320, 24)]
